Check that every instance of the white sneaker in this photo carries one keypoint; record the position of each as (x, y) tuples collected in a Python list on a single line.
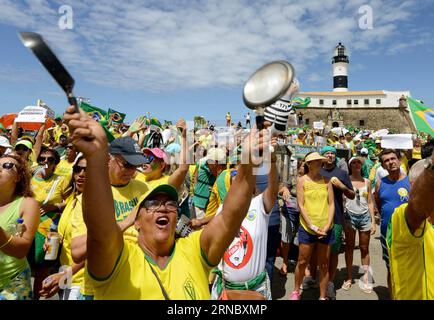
[(331, 293), (308, 283)]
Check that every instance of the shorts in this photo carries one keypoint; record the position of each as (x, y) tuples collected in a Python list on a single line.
[(360, 222), (308, 238), (288, 227), (337, 235), (19, 288)]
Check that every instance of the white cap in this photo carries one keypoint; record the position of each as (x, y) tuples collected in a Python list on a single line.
[(364, 151), (4, 142)]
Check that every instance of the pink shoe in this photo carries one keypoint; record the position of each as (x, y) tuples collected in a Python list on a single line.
[(295, 295)]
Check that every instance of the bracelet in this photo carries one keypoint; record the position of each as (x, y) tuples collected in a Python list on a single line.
[(7, 242)]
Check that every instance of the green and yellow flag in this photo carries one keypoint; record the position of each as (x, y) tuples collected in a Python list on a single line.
[(423, 116), (300, 103), (117, 116), (98, 115)]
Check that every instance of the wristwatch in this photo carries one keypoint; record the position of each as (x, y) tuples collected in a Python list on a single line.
[(429, 165)]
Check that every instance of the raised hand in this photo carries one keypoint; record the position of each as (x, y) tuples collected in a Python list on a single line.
[(181, 125), (137, 125)]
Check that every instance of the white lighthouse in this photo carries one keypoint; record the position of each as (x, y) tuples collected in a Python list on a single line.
[(340, 69)]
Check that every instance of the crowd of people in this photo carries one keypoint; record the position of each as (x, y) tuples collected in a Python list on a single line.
[(171, 212)]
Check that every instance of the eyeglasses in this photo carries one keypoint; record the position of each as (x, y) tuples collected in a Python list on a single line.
[(78, 169), (154, 205), (8, 165), (358, 194), (125, 164), (48, 159), (21, 147), (149, 158)]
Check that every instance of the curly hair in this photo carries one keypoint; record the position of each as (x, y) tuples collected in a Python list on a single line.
[(22, 187)]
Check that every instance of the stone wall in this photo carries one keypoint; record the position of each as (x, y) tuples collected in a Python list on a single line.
[(374, 119)]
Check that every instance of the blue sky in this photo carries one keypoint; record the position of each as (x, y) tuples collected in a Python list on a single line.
[(186, 58)]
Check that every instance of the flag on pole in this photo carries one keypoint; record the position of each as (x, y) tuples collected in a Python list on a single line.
[(98, 115), (423, 116)]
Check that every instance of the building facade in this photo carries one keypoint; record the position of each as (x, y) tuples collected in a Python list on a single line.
[(374, 110)]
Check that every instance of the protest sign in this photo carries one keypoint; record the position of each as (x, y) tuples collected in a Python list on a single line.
[(318, 125), (397, 141), (300, 151), (32, 114)]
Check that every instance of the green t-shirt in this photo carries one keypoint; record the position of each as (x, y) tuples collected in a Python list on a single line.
[(202, 189)]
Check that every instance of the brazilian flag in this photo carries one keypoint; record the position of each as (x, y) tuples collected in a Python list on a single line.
[(117, 117), (98, 115), (300, 103)]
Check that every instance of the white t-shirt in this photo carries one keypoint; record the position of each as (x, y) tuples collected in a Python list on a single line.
[(246, 255)]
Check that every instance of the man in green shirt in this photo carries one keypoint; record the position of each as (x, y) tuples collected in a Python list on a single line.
[(208, 170)]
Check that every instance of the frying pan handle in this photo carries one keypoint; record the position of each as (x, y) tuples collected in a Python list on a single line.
[(260, 119), (73, 101)]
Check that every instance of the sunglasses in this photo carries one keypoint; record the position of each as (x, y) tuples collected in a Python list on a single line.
[(8, 165), (21, 148), (48, 159), (78, 169), (149, 158)]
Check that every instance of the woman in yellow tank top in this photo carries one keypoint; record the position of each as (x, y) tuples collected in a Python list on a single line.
[(316, 202)]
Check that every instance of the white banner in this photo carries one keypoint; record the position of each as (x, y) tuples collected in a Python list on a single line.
[(32, 114), (397, 141)]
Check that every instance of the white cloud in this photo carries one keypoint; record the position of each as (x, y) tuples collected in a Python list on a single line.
[(162, 45)]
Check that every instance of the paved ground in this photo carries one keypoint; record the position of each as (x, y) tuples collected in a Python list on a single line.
[(283, 286)]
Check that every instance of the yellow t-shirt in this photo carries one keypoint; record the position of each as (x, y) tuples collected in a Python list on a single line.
[(404, 163), (152, 183), (64, 168), (78, 228), (125, 199), (316, 203), (65, 231), (221, 186), (57, 132), (41, 188), (411, 258), (184, 278)]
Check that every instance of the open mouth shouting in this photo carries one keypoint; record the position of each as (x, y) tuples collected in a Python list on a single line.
[(162, 221)]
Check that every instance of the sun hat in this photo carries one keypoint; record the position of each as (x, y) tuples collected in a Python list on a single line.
[(314, 156)]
